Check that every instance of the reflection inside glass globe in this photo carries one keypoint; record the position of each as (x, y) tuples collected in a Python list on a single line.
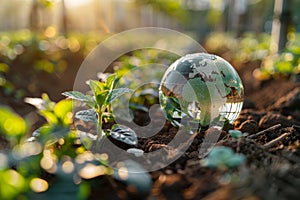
[(201, 89)]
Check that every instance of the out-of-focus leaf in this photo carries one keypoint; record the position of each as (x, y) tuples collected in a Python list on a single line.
[(133, 174), (235, 133), (49, 116), (37, 102), (50, 134), (12, 184), (4, 67), (11, 124), (221, 156), (63, 110), (136, 106)]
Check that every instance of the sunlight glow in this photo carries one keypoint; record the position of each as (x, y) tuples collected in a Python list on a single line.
[(92, 171), (38, 185), (68, 167), (76, 3), (123, 173)]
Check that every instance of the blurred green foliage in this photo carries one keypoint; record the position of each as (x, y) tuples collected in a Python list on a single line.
[(249, 47), (25, 54), (170, 7), (11, 124), (140, 67), (53, 162), (222, 157), (284, 65)]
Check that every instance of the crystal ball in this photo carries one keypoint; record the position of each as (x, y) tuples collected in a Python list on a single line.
[(201, 88)]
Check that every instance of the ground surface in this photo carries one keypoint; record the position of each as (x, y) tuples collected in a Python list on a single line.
[(272, 171)]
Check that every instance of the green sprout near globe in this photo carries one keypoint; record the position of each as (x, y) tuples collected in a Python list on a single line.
[(201, 90)]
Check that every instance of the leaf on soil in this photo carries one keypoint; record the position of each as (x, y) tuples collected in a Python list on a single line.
[(124, 134)]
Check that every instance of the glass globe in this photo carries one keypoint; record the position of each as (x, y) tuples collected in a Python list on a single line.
[(201, 88)]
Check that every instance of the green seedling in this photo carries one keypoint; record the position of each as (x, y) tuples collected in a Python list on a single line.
[(103, 94), (235, 134), (223, 157)]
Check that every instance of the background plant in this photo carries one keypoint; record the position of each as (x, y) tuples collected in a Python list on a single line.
[(285, 64)]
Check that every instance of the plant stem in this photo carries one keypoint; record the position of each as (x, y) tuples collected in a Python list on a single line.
[(99, 127)]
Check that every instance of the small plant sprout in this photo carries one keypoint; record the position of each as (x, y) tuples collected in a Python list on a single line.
[(221, 157), (103, 94), (235, 134), (238, 135)]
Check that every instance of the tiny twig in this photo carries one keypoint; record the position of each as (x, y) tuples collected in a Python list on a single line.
[(275, 141), (296, 126), (262, 132)]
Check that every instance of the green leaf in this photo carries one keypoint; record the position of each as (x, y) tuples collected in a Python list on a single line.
[(11, 124), (110, 81), (89, 115), (76, 96), (115, 93), (96, 86), (101, 98), (124, 134)]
